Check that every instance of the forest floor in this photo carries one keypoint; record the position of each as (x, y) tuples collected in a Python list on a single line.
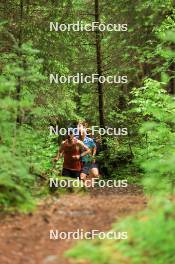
[(24, 239)]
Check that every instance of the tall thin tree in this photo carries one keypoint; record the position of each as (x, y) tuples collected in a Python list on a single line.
[(18, 87), (99, 66)]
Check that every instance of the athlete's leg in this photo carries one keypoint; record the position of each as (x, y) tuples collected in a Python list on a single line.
[(94, 172), (84, 171), (83, 176)]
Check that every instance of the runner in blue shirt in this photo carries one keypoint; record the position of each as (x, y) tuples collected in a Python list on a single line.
[(89, 167)]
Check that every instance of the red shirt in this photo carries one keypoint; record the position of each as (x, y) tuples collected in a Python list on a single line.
[(69, 150)]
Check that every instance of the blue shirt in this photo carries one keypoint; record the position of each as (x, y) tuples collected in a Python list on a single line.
[(90, 144)]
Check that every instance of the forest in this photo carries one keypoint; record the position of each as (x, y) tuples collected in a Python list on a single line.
[(109, 65)]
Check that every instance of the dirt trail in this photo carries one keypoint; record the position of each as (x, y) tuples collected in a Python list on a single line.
[(24, 239)]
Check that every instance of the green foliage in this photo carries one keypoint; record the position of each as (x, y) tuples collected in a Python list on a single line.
[(156, 109), (16, 181)]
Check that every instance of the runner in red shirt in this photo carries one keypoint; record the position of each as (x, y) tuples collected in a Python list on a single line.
[(71, 150)]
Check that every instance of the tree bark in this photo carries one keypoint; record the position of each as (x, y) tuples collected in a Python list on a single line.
[(99, 67), (18, 87), (171, 86)]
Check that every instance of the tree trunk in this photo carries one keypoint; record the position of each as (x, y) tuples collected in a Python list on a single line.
[(99, 66), (171, 86), (104, 168), (18, 87)]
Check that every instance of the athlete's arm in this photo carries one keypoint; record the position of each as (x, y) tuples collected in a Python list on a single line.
[(84, 147), (60, 152), (94, 149)]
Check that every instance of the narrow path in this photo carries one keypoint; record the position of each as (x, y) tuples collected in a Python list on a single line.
[(24, 239)]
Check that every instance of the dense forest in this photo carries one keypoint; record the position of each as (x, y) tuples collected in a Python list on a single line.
[(35, 51)]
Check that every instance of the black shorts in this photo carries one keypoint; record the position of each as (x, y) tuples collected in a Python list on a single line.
[(70, 173)]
